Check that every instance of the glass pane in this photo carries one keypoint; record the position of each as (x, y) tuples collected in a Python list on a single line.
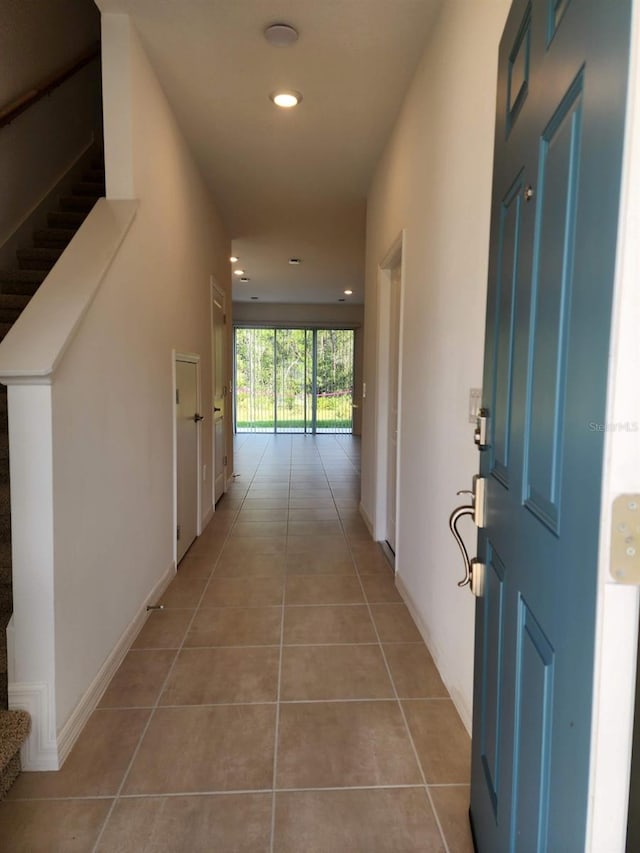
[(334, 396), (254, 386), (292, 362)]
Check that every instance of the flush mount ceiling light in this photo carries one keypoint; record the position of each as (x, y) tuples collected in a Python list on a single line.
[(281, 35), (286, 98), (238, 272), (348, 292), (233, 259), (295, 261)]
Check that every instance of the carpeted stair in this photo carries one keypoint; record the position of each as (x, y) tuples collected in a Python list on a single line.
[(17, 286)]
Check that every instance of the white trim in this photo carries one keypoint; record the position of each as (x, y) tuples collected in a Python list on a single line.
[(227, 479), (365, 517), (36, 343), (40, 750), (189, 358), (464, 712), (395, 254), (43, 750), (89, 701), (207, 517)]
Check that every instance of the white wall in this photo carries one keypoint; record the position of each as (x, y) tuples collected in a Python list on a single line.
[(113, 404), (434, 181), (39, 147)]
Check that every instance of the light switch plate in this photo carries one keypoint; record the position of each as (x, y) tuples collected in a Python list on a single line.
[(625, 539), (475, 401)]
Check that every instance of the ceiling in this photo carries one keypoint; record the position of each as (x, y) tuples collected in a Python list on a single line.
[(287, 183)]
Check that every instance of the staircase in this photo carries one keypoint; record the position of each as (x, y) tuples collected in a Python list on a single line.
[(17, 286)]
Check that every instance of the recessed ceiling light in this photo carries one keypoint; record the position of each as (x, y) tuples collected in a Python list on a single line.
[(238, 272), (348, 292), (281, 35), (295, 261), (286, 98), (245, 278), (233, 259)]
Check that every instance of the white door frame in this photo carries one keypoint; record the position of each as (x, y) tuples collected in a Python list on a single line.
[(395, 254), (215, 291), (192, 358)]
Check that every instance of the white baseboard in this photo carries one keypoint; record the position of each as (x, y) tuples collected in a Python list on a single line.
[(87, 704), (464, 712), (40, 750), (43, 750), (366, 519), (207, 518)]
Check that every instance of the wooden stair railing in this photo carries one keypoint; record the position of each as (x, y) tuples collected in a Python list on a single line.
[(12, 110)]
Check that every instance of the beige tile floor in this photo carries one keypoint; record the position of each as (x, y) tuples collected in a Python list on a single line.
[(282, 701)]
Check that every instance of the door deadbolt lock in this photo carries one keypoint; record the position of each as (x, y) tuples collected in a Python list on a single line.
[(481, 432)]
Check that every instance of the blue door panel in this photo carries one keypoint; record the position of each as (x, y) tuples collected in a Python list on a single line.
[(519, 63), (534, 679), (493, 607), (552, 276), (508, 255)]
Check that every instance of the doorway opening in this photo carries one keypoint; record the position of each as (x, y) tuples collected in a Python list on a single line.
[(187, 450), (390, 275), (293, 380)]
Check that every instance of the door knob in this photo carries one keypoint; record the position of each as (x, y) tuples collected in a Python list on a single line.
[(216, 409), (197, 418)]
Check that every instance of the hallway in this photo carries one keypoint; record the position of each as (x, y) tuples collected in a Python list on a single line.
[(283, 627)]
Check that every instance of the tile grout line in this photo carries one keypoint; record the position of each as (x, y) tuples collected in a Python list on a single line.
[(397, 699), (276, 735), (159, 694), (230, 793)]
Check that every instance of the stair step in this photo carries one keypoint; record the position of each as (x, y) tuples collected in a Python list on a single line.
[(78, 202), (66, 219), (6, 603), (11, 306), (94, 176), (37, 259), (14, 730), (89, 188), (53, 238), (5, 554), (24, 282)]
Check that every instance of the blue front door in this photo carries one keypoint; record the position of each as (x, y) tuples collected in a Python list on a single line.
[(558, 152)]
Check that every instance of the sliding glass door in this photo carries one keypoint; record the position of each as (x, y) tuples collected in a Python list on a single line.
[(293, 380)]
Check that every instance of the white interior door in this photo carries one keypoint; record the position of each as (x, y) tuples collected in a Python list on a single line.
[(219, 394), (187, 435), (394, 360)]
